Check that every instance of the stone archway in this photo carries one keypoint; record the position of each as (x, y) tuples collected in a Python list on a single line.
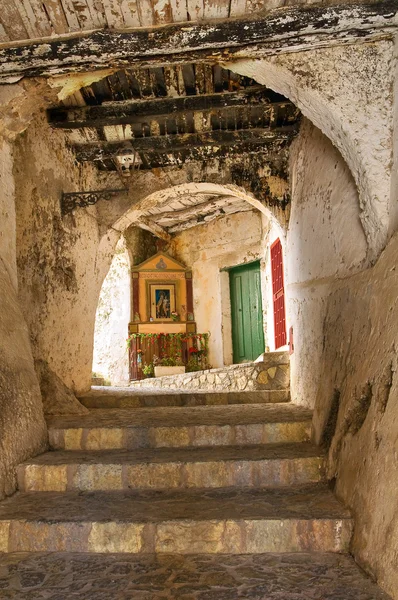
[(347, 92), (228, 212)]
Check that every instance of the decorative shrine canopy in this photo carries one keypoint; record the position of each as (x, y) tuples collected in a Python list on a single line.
[(162, 296)]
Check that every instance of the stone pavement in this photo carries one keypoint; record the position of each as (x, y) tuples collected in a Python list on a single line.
[(305, 576)]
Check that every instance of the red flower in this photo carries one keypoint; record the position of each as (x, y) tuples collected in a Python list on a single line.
[(192, 350)]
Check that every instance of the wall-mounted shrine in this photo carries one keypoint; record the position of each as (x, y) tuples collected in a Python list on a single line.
[(162, 297), (163, 330)]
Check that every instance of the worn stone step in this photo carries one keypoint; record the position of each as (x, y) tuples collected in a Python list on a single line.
[(123, 429), (302, 518), (251, 466), (294, 576), (110, 397)]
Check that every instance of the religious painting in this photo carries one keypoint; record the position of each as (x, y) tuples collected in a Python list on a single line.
[(162, 301)]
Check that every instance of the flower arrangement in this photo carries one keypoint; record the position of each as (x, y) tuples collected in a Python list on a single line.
[(174, 315), (167, 361), (170, 350), (148, 369)]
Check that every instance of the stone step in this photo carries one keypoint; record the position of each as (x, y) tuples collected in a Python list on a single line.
[(294, 576), (163, 468), (123, 429), (108, 397), (303, 518)]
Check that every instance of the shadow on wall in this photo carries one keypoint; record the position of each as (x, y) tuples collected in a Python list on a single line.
[(356, 398)]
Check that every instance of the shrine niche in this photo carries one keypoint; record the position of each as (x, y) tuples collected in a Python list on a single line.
[(162, 335), (162, 296)]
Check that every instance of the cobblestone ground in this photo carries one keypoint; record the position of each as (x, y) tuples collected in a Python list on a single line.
[(201, 577)]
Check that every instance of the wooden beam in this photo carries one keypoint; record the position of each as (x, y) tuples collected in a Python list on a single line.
[(272, 152), (282, 30), (168, 218), (180, 142), (133, 111), (195, 222), (154, 228)]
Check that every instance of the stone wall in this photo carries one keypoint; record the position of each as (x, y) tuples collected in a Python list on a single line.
[(272, 373)]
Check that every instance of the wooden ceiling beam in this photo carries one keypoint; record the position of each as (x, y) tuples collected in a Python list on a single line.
[(180, 142), (154, 228), (282, 30), (202, 220), (133, 111), (167, 219), (271, 152)]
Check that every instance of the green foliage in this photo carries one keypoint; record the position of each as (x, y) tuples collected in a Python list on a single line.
[(148, 370), (193, 365)]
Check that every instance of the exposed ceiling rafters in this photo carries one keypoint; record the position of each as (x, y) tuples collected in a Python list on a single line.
[(180, 142)]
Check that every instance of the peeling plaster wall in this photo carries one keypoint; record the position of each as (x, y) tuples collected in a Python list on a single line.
[(248, 172), (325, 242), (394, 170), (223, 243), (112, 319), (22, 426), (347, 92), (61, 261)]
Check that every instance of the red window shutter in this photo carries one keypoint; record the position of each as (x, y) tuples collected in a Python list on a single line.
[(278, 291)]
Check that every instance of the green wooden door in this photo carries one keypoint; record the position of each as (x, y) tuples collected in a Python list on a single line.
[(246, 312)]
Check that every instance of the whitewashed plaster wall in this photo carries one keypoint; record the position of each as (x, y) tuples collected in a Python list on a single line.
[(347, 92), (110, 358), (325, 242), (207, 249)]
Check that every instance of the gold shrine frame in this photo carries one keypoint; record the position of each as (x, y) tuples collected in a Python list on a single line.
[(162, 301)]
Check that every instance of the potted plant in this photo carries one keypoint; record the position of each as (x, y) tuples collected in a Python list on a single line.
[(168, 365), (148, 370)]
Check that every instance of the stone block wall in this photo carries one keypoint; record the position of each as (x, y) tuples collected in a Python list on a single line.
[(273, 373)]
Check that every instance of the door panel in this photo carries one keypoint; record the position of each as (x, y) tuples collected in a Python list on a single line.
[(246, 312), (239, 317), (278, 291)]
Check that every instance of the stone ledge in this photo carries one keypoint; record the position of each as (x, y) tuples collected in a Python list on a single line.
[(108, 397), (271, 373)]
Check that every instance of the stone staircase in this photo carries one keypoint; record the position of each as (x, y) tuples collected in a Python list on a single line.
[(225, 476)]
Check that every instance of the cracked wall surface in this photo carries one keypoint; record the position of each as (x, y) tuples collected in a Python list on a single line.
[(62, 261), (22, 428)]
